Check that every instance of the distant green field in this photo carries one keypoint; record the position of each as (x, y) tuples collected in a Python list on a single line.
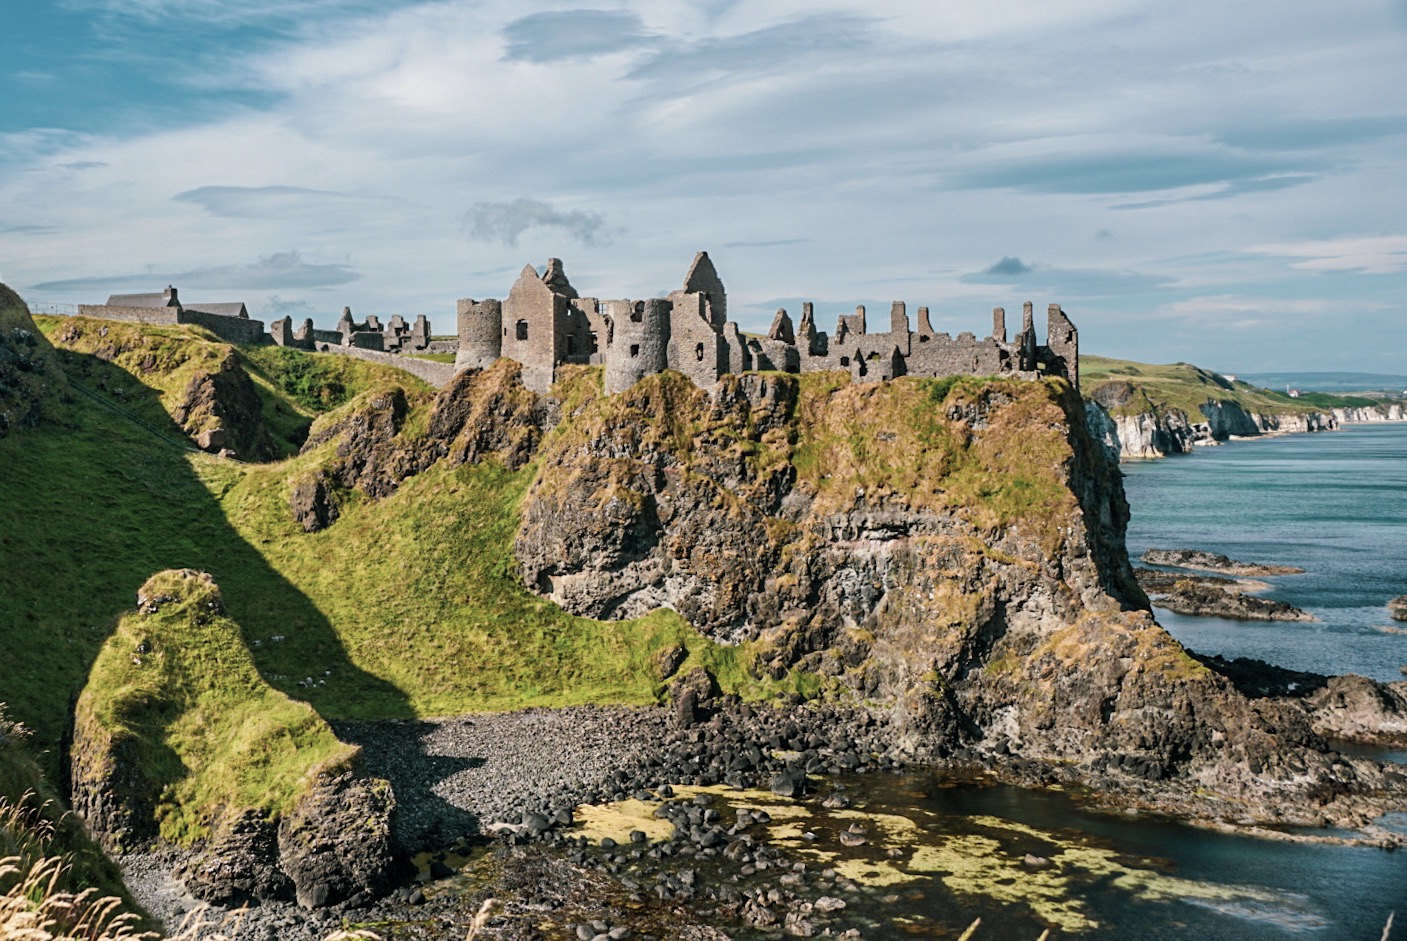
[(1185, 387)]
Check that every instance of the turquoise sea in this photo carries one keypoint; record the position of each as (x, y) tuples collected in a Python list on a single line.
[(1333, 504)]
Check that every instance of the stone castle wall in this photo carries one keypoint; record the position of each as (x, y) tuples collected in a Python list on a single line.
[(545, 324), (229, 329), (639, 343), (437, 374), (159, 316)]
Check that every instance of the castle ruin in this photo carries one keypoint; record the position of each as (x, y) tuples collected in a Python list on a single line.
[(545, 323)]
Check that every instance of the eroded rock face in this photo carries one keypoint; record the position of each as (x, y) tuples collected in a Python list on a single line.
[(961, 560), (1358, 709), (30, 377), (110, 793), (241, 866), (371, 455), (313, 500), (489, 412), (336, 844), (220, 409)]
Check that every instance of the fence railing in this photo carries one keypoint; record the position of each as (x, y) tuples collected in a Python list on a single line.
[(54, 310)]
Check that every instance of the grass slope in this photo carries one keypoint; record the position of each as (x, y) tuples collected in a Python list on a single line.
[(1182, 386)]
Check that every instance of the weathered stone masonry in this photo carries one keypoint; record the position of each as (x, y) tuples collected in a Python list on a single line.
[(231, 323), (545, 324)]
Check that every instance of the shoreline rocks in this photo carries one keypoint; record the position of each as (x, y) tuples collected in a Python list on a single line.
[(515, 780), (1213, 596), (1214, 562), (1397, 608)]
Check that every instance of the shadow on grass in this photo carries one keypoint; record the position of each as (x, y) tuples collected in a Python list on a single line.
[(92, 507)]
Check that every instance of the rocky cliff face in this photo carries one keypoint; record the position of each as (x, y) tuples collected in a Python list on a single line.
[(31, 381), (1145, 429), (949, 552), (1387, 412), (1160, 432), (952, 550)]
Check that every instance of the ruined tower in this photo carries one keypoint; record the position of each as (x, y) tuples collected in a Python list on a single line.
[(480, 333), (639, 341)]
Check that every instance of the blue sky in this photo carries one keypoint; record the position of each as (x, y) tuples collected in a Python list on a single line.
[(1215, 183)]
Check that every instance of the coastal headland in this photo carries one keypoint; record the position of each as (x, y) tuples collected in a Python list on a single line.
[(763, 584)]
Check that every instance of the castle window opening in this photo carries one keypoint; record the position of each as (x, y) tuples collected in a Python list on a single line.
[(522, 329), (595, 342), (699, 352), (638, 314), (845, 362), (635, 349)]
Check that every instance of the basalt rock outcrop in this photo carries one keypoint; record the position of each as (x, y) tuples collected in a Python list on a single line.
[(31, 380), (336, 844), (220, 410), (371, 453), (1358, 709), (480, 413), (1215, 562), (951, 549)]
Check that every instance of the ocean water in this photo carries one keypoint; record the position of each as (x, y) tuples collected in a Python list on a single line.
[(1333, 504)]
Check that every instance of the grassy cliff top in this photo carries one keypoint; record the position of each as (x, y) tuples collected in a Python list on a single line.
[(1128, 387)]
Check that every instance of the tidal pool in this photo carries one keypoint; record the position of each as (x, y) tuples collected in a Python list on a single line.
[(937, 855)]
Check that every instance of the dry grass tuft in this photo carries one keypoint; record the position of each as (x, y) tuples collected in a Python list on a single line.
[(34, 907)]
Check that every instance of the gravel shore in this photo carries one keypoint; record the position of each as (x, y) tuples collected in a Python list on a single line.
[(455, 777), (518, 775)]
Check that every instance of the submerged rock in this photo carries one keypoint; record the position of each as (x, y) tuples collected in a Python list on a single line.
[(1214, 562), (1208, 596)]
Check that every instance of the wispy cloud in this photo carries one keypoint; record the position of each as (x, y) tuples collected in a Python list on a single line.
[(255, 201), (505, 222), (1374, 255), (1097, 168), (767, 243), (280, 270), (574, 34)]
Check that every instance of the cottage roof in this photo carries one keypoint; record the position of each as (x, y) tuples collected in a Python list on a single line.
[(142, 300), (230, 309)]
